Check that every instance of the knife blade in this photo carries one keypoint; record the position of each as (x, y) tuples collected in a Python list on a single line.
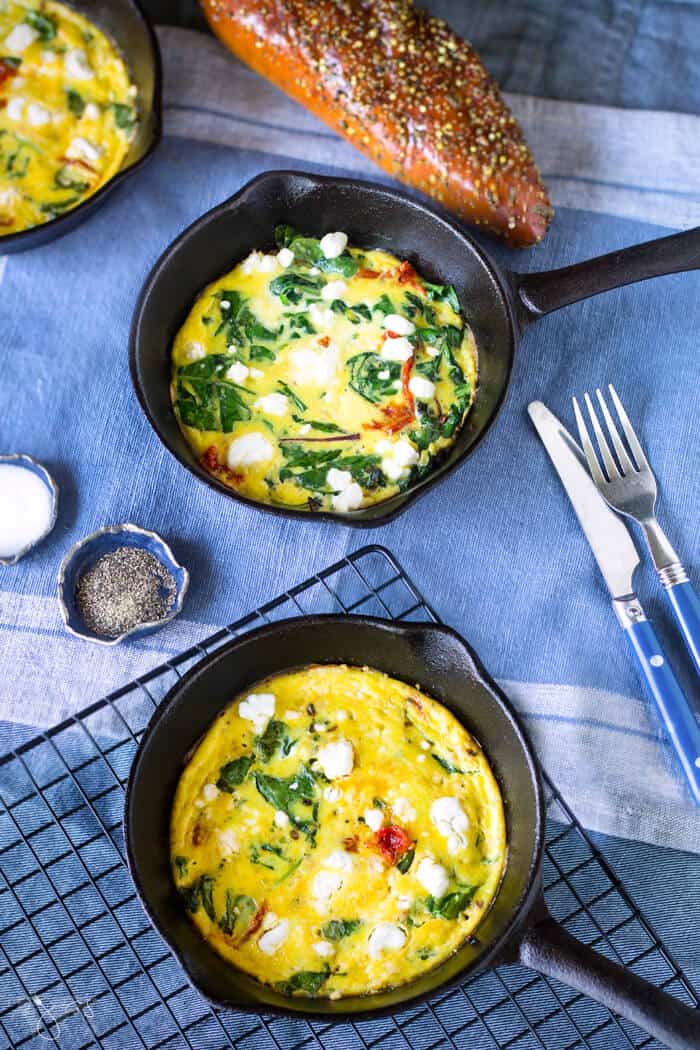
[(607, 535)]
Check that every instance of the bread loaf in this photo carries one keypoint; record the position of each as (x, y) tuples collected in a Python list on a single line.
[(404, 89)]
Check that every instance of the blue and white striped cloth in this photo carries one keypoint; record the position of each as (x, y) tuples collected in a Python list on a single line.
[(497, 549)]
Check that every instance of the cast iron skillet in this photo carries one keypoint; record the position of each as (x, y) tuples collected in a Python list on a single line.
[(516, 928), (126, 24), (499, 305)]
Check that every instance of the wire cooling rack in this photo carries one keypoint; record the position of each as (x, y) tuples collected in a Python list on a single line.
[(81, 966)]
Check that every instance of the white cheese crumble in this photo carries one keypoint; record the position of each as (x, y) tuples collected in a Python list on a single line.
[(48, 57), (332, 794), (421, 388), (257, 708), (336, 759), (349, 499), (249, 449), (194, 351), (404, 810), (433, 877), (338, 480), (451, 821), (77, 66), (315, 366), (20, 38), (385, 937), (209, 792), (333, 244), (374, 818), (237, 372), (273, 938), (281, 819), (323, 948), (333, 290), (257, 262), (396, 349), (285, 257), (325, 884), (15, 108), (256, 373), (228, 841), (321, 316), (397, 457), (273, 404), (338, 860), (91, 111), (84, 149), (397, 323), (37, 115), (432, 351)]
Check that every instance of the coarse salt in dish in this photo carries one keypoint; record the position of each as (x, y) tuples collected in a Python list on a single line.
[(26, 509)]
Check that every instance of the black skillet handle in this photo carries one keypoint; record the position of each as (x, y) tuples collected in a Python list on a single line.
[(549, 949), (537, 294)]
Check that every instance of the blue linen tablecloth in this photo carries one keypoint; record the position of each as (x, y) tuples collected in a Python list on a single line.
[(497, 550)]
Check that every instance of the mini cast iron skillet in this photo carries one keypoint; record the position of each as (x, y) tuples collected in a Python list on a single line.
[(126, 24), (499, 305), (435, 658)]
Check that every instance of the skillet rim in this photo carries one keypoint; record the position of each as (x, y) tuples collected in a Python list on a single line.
[(355, 519), (36, 236), (532, 881)]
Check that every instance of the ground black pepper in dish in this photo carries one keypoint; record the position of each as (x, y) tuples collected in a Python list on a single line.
[(123, 589)]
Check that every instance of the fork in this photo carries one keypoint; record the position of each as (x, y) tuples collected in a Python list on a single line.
[(628, 485)]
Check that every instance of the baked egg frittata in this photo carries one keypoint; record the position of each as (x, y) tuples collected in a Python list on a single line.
[(337, 832), (67, 111), (322, 376)]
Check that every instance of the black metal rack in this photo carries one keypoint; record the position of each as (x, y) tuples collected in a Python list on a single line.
[(81, 966)]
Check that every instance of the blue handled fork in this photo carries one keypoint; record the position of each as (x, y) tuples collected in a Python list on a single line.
[(631, 490)]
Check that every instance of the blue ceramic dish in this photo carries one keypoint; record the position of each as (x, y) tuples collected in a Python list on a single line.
[(83, 555), (27, 463)]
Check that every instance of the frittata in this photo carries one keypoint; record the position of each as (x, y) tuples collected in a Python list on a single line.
[(67, 111), (321, 376), (337, 832)]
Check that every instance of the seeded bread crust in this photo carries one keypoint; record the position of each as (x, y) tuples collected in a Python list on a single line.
[(404, 89)]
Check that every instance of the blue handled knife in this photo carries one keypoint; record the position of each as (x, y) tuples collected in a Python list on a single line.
[(617, 560)]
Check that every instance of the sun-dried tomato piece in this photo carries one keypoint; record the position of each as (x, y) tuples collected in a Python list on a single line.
[(393, 842)]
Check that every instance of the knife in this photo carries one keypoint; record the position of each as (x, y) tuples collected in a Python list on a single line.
[(617, 559)]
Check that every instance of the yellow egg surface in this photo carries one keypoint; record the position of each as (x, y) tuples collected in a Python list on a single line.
[(337, 832), (321, 376), (67, 111)]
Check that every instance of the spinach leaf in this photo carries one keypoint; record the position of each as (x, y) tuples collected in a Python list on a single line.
[(406, 861), (182, 864), (254, 854), (294, 398), (284, 235), (200, 892), (325, 428), (298, 324), (425, 953), (309, 467), (240, 909), (206, 399), (261, 353), (124, 116), (383, 305), (343, 264), (275, 738), (13, 61), (451, 905), (254, 329), (308, 981), (234, 773), (430, 368), (58, 207), (229, 314), (308, 250), (290, 793), (372, 377), (336, 929), (293, 288), (355, 313), (76, 102), (442, 293), (445, 764), (45, 26)]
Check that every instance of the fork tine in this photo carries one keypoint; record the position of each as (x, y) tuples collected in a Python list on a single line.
[(623, 459), (587, 446), (606, 454), (637, 450)]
